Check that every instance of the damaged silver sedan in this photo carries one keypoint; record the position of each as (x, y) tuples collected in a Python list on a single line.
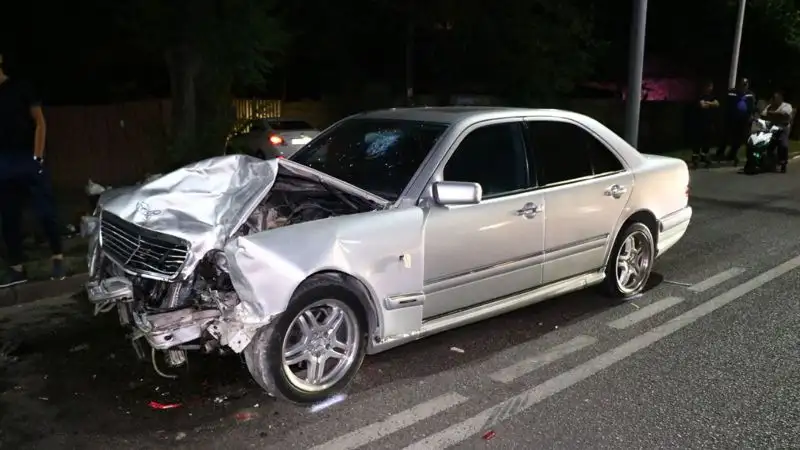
[(387, 227)]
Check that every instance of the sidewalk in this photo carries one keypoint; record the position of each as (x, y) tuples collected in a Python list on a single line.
[(36, 290)]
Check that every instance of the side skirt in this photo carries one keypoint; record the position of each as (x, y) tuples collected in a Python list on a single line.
[(490, 309)]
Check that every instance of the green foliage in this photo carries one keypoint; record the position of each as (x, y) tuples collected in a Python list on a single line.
[(210, 47), (528, 49), (780, 18), (535, 48)]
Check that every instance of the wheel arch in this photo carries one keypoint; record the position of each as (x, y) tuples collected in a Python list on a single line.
[(366, 298), (643, 216)]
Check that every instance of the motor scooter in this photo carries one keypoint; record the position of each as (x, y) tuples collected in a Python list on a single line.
[(762, 145)]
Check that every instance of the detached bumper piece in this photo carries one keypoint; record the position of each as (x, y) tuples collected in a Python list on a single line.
[(109, 290)]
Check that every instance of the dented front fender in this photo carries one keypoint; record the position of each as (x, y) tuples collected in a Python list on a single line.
[(382, 249)]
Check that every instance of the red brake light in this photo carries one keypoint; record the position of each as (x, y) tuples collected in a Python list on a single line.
[(281, 157), (276, 140)]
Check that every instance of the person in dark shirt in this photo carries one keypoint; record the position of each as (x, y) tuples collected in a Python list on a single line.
[(707, 104), (740, 108), (22, 139)]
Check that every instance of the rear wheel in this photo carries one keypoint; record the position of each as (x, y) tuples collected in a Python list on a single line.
[(631, 261), (315, 348)]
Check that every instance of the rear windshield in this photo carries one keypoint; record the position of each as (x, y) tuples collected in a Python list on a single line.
[(289, 125)]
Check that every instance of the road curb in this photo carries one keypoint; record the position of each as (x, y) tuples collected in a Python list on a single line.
[(736, 169), (36, 290)]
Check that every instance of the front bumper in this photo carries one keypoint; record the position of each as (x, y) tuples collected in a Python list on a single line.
[(162, 330)]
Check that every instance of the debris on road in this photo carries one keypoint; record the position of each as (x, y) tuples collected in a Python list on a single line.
[(456, 349), (156, 405), (79, 348), (327, 403), (245, 415), (6, 350), (635, 305), (180, 436), (489, 435)]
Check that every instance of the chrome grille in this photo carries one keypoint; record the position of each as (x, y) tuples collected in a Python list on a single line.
[(140, 250)]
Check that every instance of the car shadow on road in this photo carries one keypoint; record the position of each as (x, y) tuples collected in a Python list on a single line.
[(479, 341), (763, 203), (79, 377)]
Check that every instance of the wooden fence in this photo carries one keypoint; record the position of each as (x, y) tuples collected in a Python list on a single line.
[(111, 144), (256, 108), (120, 144)]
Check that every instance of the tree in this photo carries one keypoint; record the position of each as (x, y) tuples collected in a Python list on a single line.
[(535, 49), (700, 35), (208, 47), (525, 50)]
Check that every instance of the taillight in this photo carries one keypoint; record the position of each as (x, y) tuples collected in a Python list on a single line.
[(281, 157), (276, 140)]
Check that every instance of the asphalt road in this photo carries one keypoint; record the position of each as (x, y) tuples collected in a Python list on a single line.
[(708, 357)]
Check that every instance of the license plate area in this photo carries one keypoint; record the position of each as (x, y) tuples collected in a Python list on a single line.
[(301, 141)]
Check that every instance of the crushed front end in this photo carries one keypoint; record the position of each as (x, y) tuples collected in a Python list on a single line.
[(139, 272)]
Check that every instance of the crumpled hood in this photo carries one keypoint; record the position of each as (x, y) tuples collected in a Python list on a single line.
[(203, 203)]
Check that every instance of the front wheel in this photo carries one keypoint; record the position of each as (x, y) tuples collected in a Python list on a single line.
[(631, 262), (314, 349)]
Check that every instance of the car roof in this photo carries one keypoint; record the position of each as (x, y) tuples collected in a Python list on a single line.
[(456, 114)]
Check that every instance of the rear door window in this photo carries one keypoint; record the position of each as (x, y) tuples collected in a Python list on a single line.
[(566, 152)]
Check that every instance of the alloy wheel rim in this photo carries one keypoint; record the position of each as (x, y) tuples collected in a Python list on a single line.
[(633, 263), (320, 345)]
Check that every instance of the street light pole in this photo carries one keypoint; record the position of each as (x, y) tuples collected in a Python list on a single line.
[(737, 44), (635, 69)]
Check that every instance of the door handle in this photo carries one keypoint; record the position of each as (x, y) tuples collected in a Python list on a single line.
[(616, 191), (528, 211)]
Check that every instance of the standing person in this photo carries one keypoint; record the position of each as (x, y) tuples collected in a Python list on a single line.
[(780, 113), (704, 126), (22, 139), (740, 108)]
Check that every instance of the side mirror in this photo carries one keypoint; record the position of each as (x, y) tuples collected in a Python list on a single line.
[(448, 193)]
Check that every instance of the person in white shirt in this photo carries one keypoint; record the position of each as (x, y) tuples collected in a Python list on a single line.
[(780, 113)]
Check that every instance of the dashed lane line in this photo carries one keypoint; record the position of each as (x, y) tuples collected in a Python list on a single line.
[(515, 405), (716, 280), (644, 313), (393, 423), (511, 373)]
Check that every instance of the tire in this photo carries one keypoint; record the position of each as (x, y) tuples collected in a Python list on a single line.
[(265, 353), (644, 261)]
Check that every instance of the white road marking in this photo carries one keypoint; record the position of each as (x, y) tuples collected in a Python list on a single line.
[(716, 280), (644, 313), (393, 423), (528, 365), (519, 403)]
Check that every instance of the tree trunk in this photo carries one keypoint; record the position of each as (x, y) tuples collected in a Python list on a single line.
[(183, 64)]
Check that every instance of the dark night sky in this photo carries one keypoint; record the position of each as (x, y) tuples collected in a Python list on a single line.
[(77, 53)]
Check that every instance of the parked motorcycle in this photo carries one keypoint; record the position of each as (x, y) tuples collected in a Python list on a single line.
[(761, 147)]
